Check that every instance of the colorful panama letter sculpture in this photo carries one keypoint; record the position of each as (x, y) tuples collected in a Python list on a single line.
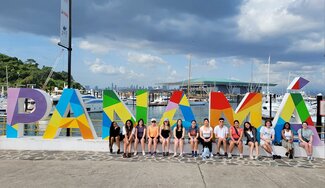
[(251, 106), (70, 98), (178, 99), (16, 115), (293, 103), (112, 105)]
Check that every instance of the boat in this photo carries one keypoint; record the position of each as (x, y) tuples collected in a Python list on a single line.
[(197, 102)]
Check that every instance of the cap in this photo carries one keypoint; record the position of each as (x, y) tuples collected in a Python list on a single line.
[(166, 119), (153, 119)]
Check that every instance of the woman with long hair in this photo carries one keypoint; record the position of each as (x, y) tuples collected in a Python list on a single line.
[(287, 139), (251, 139), (140, 136), (128, 133), (179, 133), (164, 134), (114, 136)]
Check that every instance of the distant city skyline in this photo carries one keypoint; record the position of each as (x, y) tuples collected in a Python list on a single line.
[(145, 42)]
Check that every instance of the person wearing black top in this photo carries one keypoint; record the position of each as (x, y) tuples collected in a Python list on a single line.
[(114, 137), (251, 135), (164, 134), (179, 133)]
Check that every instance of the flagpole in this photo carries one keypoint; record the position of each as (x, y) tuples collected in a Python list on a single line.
[(69, 56), (69, 48)]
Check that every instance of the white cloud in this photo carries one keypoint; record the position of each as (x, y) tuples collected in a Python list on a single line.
[(145, 59), (93, 47), (308, 45), (263, 18), (54, 40), (212, 63), (98, 66), (283, 72)]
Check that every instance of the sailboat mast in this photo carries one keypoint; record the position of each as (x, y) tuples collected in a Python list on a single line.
[(7, 78), (189, 77), (268, 76)]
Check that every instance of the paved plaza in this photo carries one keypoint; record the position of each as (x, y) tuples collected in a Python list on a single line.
[(101, 169)]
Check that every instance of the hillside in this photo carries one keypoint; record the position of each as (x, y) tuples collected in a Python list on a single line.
[(25, 74)]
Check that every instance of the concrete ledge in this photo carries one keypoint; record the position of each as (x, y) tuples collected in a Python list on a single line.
[(79, 144)]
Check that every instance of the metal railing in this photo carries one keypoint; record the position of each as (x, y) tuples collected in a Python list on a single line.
[(34, 129)]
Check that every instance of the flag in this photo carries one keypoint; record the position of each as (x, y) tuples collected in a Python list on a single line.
[(64, 24)]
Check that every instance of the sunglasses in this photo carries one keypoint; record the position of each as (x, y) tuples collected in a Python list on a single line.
[(153, 122)]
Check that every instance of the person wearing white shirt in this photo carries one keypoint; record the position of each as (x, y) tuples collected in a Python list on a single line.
[(128, 132), (221, 134), (267, 137)]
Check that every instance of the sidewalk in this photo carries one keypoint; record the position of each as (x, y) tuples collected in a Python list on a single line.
[(100, 169)]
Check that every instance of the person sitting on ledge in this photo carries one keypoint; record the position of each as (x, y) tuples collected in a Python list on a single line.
[(153, 134), (305, 136), (236, 136), (165, 137), (287, 139), (251, 135), (267, 137), (114, 132), (128, 132), (179, 133), (206, 134), (221, 134), (140, 136), (193, 134)]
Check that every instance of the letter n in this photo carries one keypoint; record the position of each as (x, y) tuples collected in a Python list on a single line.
[(112, 106)]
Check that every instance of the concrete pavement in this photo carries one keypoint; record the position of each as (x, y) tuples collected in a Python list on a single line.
[(99, 169)]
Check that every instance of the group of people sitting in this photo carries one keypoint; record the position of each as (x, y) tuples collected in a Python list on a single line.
[(205, 135)]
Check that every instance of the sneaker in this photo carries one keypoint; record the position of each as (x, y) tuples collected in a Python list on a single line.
[(143, 153), (129, 155), (149, 153), (273, 157), (290, 156), (192, 153), (111, 150), (311, 158), (135, 153), (154, 154), (167, 154), (226, 154), (118, 151), (211, 155), (251, 157), (175, 155), (195, 154), (241, 156), (124, 155), (308, 158), (257, 157), (218, 154), (287, 154), (164, 154), (181, 155), (229, 155)]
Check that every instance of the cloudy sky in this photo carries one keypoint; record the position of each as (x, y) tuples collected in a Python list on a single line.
[(143, 42)]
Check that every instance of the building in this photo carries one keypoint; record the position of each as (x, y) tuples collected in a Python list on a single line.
[(202, 86)]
